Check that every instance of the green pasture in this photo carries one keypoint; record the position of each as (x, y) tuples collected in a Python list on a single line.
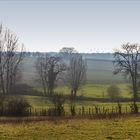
[(90, 91), (94, 90), (44, 102)]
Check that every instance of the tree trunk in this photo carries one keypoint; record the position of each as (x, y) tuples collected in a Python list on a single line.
[(135, 97), (50, 91), (7, 77), (2, 84), (44, 88)]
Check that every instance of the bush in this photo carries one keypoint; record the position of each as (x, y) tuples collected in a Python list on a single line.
[(113, 91), (16, 106), (58, 100)]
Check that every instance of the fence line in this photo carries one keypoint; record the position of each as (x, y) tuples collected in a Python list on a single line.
[(79, 111)]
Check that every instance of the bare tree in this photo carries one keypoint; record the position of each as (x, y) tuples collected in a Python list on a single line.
[(11, 56), (127, 62), (41, 67), (49, 68), (76, 73)]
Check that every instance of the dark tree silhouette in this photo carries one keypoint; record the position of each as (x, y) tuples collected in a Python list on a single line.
[(11, 55), (76, 73), (49, 68), (127, 62)]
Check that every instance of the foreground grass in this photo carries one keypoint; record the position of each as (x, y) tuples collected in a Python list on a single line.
[(86, 129)]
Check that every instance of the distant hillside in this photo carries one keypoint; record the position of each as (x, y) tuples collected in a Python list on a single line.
[(100, 69), (99, 56)]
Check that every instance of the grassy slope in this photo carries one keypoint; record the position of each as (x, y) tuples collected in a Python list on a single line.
[(73, 130)]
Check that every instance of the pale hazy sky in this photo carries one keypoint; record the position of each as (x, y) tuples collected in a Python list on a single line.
[(87, 25)]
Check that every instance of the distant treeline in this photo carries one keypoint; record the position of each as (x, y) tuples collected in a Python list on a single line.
[(97, 56)]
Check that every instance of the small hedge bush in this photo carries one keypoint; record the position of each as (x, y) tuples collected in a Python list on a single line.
[(14, 106)]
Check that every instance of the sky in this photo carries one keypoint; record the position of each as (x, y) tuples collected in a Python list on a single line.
[(87, 25)]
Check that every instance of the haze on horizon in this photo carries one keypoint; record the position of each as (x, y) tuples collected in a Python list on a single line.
[(86, 25)]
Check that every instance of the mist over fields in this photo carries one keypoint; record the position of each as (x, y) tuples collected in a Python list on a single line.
[(100, 69)]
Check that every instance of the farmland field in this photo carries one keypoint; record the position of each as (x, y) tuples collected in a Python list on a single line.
[(87, 91), (93, 90), (96, 90), (85, 129)]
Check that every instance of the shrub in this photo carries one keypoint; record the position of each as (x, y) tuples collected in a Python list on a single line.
[(17, 106), (113, 91), (58, 100)]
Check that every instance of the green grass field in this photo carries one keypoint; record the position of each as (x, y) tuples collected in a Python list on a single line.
[(94, 90), (40, 103), (85, 129), (89, 90)]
